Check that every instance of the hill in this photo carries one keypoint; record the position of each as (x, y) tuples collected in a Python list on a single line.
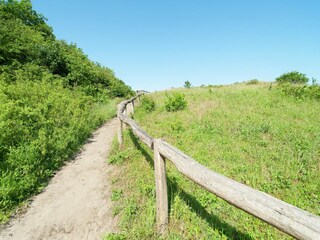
[(255, 133)]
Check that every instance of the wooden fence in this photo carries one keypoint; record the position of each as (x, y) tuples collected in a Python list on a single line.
[(288, 218)]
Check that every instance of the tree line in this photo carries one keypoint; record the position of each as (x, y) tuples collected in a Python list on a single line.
[(30, 51)]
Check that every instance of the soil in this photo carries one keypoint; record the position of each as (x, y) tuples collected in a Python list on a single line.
[(76, 204)]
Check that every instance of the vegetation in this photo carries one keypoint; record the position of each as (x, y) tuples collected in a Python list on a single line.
[(51, 97), (292, 77), (175, 102), (252, 81), (187, 84), (254, 134), (29, 47), (301, 91), (148, 104)]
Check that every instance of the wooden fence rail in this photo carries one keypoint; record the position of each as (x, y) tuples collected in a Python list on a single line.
[(286, 217)]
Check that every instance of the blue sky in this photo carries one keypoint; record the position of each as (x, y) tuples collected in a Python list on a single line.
[(155, 45)]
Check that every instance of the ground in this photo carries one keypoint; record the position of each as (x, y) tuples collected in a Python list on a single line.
[(76, 204)]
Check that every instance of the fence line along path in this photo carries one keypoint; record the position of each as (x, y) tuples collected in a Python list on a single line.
[(286, 217)]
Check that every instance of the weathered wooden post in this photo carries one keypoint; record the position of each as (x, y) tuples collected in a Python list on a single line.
[(161, 190), (139, 99), (132, 105), (120, 138), (125, 111)]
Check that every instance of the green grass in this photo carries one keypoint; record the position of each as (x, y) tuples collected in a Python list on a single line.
[(253, 134)]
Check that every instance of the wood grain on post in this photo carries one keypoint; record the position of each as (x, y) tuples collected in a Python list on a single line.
[(161, 191), (124, 126), (288, 218), (120, 140), (138, 131), (132, 104)]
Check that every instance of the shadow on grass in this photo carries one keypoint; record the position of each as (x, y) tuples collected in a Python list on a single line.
[(173, 189), (137, 144)]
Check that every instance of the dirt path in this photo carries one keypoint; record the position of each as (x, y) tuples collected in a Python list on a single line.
[(76, 204)]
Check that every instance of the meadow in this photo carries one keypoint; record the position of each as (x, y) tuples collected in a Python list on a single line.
[(256, 134)]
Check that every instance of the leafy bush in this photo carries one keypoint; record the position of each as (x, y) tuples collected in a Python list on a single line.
[(41, 125), (176, 102), (148, 104), (292, 77), (301, 91), (253, 81), (26, 39), (51, 98), (187, 84)]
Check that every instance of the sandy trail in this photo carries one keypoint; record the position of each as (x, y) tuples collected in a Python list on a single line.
[(76, 203)]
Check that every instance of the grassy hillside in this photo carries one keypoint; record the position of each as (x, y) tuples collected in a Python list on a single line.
[(254, 134), (51, 98)]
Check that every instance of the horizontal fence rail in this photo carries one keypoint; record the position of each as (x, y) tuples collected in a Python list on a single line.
[(286, 217)]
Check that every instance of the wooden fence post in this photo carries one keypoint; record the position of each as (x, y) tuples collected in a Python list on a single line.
[(161, 190), (132, 103), (120, 140), (125, 111)]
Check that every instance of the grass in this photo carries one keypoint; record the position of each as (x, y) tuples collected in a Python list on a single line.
[(252, 133)]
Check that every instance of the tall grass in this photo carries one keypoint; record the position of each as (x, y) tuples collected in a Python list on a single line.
[(251, 133)]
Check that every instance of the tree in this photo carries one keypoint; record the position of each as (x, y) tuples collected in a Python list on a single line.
[(293, 77), (29, 48), (187, 84), (22, 10)]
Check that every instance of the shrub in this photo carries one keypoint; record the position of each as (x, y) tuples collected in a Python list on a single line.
[(187, 84), (302, 91), (41, 125), (253, 81), (293, 77), (175, 102), (148, 104)]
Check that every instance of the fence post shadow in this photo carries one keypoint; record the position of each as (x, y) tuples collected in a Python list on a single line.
[(195, 206)]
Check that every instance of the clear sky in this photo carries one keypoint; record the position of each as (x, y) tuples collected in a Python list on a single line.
[(159, 44)]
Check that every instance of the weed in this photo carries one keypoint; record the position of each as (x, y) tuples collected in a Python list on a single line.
[(115, 236), (148, 104), (119, 158), (116, 195), (253, 81), (301, 91), (175, 102)]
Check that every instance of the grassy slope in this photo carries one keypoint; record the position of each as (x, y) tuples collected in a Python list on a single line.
[(250, 133)]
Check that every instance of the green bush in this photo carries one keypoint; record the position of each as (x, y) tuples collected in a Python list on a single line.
[(176, 102), (253, 81), (187, 84), (51, 98), (292, 77), (41, 125), (301, 91), (26, 40), (148, 104)]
